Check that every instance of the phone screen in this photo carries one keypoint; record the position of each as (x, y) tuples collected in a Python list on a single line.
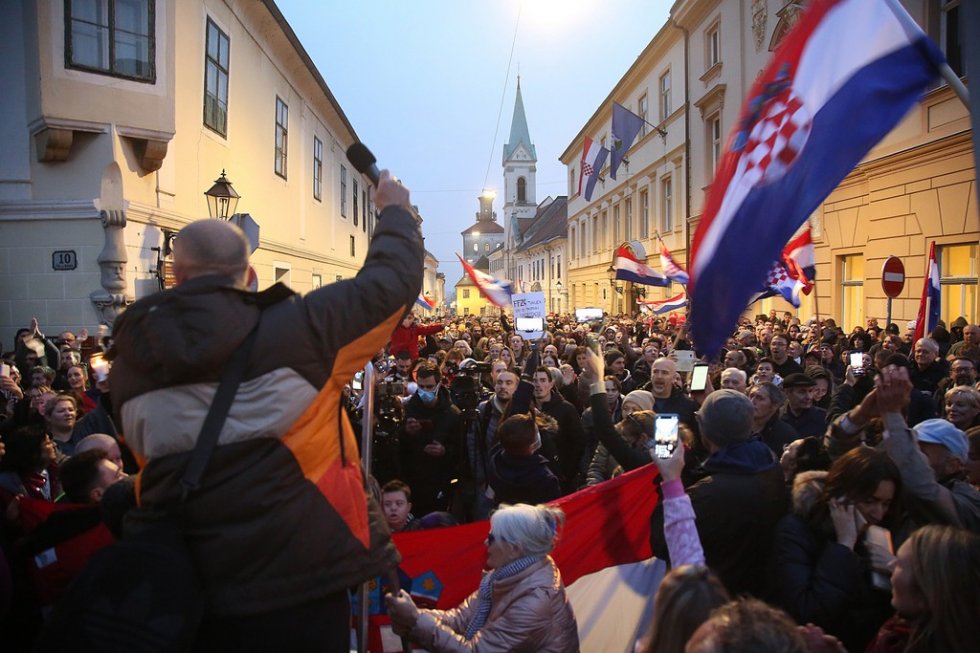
[(699, 378), (857, 362), (665, 435), (529, 324), (588, 314)]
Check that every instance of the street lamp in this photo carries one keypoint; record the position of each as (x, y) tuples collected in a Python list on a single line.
[(222, 198)]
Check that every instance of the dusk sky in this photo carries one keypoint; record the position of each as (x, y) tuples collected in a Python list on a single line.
[(422, 81)]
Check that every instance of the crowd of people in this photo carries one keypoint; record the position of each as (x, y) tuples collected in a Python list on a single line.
[(823, 495)]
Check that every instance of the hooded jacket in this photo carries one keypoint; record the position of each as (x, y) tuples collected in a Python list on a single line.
[(737, 506), (281, 517)]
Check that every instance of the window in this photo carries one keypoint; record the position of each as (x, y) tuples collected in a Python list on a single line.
[(317, 280), (642, 232), (352, 250), (604, 228), (644, 212), (949, 35), (111, 37), (317, 168), (364, 210), (667, 195), (282, 120), (466, 310), (486, 247), (559, 266), (958, 281), (617, 226), (216, 80), (713, 41), (571, 241), (343, 191), (595, 232), (466, 293), (583, 237), (714, 142), (521, 190), (852, 291), (281, 272), (572, 188), (476, 247), (354, 200), (643, 108), (665, 96)]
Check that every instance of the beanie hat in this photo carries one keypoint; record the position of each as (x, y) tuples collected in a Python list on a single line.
[(641, 398)]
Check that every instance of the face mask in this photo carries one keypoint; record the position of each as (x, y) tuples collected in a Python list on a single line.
[(427, 396)]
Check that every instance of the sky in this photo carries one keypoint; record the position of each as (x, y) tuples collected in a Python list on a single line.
[(421, 81)]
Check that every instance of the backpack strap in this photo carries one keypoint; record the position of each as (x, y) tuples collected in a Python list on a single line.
[(231, 378)]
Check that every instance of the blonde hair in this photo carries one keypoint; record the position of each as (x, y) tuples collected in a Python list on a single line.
[(534, 528), (970, 392)]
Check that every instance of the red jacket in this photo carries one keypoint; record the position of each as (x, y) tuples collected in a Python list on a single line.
[(408, 339)]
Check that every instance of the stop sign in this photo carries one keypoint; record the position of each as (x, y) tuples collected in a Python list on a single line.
[(893, 276)]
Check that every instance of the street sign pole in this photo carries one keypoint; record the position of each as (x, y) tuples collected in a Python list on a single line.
[(892, 281)]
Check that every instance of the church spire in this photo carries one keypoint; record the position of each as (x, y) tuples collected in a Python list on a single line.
[(518, 129)]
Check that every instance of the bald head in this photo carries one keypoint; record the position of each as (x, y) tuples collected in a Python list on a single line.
[(211, 247)]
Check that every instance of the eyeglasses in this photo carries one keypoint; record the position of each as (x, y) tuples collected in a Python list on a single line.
[(491, 538)]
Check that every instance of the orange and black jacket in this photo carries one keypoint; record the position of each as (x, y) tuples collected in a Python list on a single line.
[(281, 517)]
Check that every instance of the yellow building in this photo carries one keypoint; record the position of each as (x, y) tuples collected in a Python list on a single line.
[(469, 300), (105, 158), (917, 186)]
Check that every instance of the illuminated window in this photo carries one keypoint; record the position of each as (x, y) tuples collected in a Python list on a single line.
[(958, 281), (852, 291)]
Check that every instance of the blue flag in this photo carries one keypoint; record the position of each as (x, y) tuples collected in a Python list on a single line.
[(625, 126)]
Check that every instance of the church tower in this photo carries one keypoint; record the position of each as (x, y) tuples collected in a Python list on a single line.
[(519, 159)]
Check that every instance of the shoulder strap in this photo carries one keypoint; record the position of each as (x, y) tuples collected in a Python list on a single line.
[(231, 378)]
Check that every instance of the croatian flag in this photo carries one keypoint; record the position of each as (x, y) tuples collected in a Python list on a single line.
[(425, 302), (593, 158), (628, 268), (496, 291), (671, 268), (930, 305), (676, 302), (800, 257), (845, 75)]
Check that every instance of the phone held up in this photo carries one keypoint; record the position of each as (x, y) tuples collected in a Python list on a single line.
[(699, 377), (666, 428)]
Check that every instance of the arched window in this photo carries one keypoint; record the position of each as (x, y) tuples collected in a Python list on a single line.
[(521, 189)]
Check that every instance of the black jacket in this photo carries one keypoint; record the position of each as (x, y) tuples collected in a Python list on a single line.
[(819, 581), (777, 434), (521, 479), (428, 476), (737, 506), (570, 438)]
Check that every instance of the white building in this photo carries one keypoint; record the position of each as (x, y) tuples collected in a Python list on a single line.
[(112, 136)]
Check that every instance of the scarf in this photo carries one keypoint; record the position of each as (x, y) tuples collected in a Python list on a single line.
[(485, 598)]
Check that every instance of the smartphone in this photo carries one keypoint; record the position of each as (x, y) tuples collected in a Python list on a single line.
[(665, 435), (881, 537), (685, 360), (857, 362), (699, 377), (583, 315), (529, 324), (4, 369)]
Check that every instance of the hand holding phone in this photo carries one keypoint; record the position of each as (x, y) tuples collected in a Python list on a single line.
[(857, 362), (666, 427)]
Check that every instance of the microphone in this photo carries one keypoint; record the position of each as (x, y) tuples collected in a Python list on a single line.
[(364, 162)]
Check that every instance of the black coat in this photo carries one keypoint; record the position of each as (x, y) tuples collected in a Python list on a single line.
[(737, 507), (569, 441), (521, 479), (819, 581), (429, 476)]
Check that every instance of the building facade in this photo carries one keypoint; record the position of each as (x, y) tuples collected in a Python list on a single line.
[(915, 187), (648, 198), (114, 135)]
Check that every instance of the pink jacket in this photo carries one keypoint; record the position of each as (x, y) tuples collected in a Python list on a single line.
[(530, 613)]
